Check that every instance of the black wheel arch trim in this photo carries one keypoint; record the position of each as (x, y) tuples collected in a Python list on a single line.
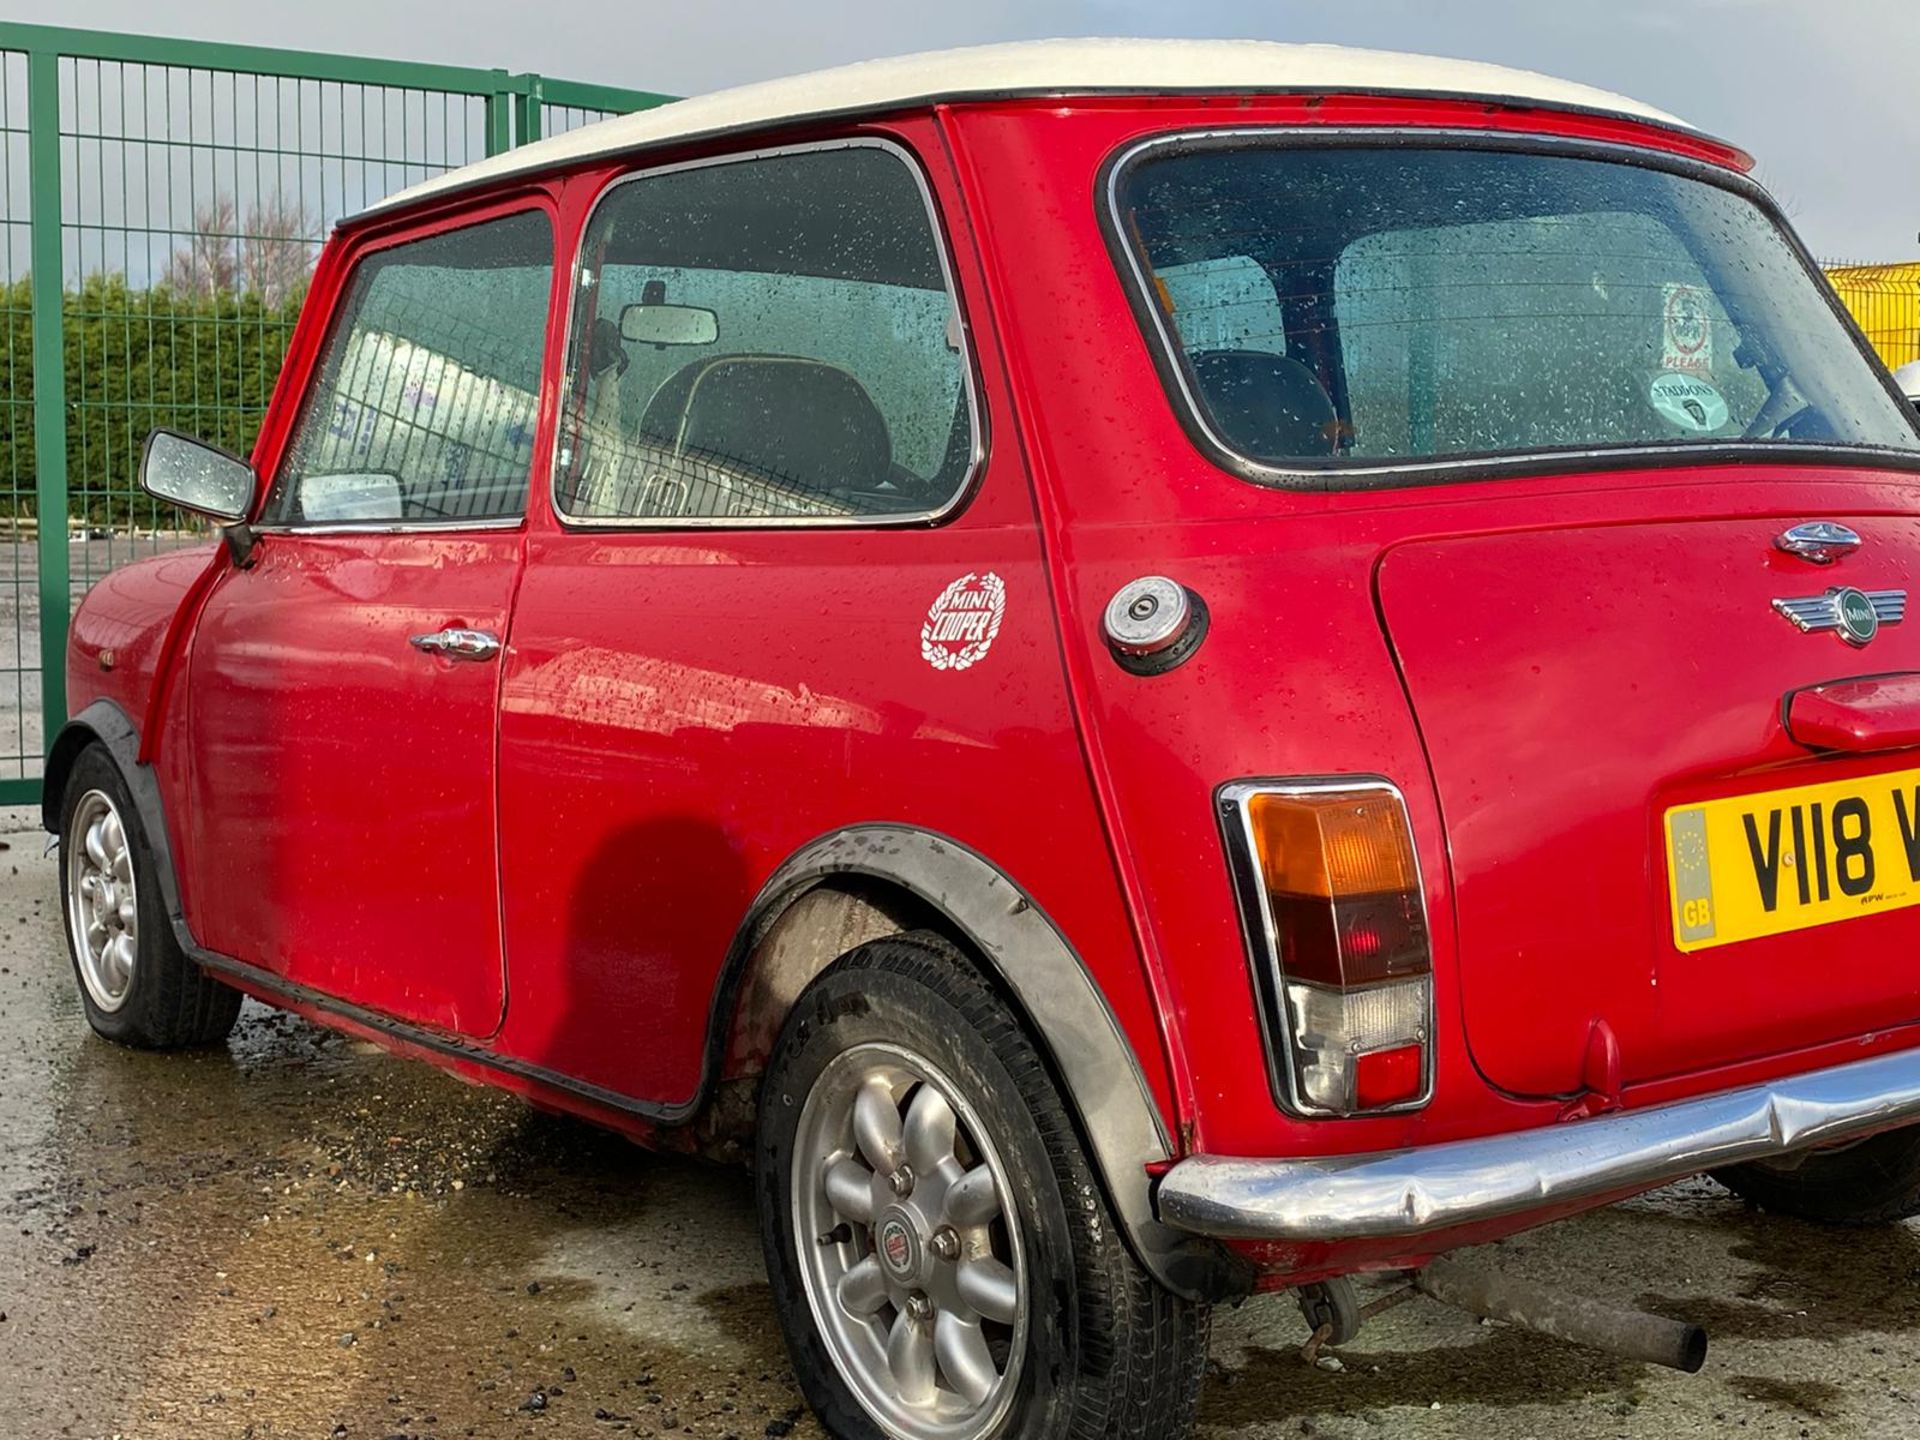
[(104, 721), (1106, 1089)]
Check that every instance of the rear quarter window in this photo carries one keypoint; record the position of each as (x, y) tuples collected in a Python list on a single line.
[(769, 338)]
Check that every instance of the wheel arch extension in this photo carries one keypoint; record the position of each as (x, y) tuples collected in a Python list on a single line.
[(866, 881), (105, 722)]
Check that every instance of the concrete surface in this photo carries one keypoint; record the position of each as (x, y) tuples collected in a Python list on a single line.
[(300, 1236)]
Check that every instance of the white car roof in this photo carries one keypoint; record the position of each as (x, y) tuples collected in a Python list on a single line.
[(1038, 67)]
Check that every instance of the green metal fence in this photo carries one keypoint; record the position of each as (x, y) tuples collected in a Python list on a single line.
[(164, 201)]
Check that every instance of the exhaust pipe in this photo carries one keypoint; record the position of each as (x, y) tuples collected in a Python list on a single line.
[(1632, 1334)]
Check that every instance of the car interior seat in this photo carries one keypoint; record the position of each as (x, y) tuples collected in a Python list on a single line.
[(1266, 405), (803, 421)]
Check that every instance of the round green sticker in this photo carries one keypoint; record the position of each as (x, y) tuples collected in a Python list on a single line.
[(1688, 401)]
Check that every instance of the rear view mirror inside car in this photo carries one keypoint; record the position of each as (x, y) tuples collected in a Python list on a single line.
[(669, 325)]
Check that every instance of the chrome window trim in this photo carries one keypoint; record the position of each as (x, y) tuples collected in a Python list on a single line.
[(425, 526), (1169, 356), (1262, 934), (976, 422), (393, 527)]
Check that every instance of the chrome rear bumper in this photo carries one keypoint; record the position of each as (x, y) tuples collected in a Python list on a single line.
[(1408, 1193)]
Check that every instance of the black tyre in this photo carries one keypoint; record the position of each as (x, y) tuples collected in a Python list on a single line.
[(942, 1256), (1873, 1182), (137, 985)]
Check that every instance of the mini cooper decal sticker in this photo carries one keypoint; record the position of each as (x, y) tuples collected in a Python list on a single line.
[(962, 622), (1856, 614)]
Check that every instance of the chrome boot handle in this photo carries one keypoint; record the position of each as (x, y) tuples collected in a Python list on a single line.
[(458, 644)]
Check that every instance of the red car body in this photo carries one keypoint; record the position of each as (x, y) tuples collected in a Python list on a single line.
[(544, 873)]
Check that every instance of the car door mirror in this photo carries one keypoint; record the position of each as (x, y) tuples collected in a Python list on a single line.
[(196, 476), (669, 325)]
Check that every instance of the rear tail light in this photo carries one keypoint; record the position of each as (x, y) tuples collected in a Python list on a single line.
[(1336, 924)]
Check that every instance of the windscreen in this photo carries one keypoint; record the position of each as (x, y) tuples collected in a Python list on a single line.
[(1388, 305)]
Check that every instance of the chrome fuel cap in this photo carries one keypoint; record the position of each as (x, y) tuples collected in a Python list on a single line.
[(1153, 623)]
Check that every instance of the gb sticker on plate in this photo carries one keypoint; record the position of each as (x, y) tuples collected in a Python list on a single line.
[(962, 622)]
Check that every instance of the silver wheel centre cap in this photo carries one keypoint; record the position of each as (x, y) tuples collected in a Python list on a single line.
[(900, 1238)]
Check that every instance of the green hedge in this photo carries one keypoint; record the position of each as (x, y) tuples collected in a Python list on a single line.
[(136, 359)]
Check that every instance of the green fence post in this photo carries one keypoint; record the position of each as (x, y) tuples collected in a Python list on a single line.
[(527, 106), (500, 115), (45, 210)]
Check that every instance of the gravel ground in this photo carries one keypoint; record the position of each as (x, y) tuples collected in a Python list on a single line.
[(300, 1236)]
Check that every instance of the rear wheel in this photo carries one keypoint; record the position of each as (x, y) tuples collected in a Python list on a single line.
[(137, 986), (1871, 1182), (944, 1262)]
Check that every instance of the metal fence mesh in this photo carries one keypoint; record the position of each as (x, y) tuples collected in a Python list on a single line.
[(20, 731), (175, 195), (196, 204), (1885, 300)]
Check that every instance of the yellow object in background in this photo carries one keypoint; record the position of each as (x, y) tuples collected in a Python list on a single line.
[(1885, 301)]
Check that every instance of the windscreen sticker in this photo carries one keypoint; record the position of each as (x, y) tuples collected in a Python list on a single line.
[(1687, 327), (1688, 401), (963, 620)]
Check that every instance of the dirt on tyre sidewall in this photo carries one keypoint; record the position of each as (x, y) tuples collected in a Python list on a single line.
[(1875, 1181), (170, 1002), (1108, 1352)]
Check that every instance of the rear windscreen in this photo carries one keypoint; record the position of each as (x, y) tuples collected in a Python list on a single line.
[(1389, 305)]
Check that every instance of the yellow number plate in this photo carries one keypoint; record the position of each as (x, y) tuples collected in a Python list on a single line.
[(1755, 865)]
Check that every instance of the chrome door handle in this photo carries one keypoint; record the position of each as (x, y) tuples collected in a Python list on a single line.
[(458, 644)]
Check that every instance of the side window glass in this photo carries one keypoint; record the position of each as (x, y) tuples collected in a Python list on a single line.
[(423, 404), (763, 339)]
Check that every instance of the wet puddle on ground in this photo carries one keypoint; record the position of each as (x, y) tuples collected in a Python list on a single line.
[(301, 1236)]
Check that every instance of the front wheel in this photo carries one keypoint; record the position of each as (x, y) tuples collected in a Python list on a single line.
[(137, 986), (1875, 1181), (943, 1259)]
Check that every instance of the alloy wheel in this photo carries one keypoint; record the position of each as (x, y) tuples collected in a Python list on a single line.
[(103, 911), (909, 1249)]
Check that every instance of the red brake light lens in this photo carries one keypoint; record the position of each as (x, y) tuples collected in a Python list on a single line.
[(1389, 1077)]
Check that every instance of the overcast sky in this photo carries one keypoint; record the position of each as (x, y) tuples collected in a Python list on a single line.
[(1826, 94)]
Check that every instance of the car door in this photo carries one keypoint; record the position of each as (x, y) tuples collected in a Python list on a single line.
[(784, 593), (343, 686)]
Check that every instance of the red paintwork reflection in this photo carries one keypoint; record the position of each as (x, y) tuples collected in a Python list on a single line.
[(126, 620), (1571, 687), (340, 811)]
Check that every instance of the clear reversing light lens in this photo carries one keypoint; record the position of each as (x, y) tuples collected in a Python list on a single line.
[(1331, 899)]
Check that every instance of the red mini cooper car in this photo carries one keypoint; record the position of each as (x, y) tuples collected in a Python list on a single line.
[(1158, 670)]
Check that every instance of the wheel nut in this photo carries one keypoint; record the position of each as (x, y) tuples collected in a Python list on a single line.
[(919, 1308), (946, 1243), (902, 1181)]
